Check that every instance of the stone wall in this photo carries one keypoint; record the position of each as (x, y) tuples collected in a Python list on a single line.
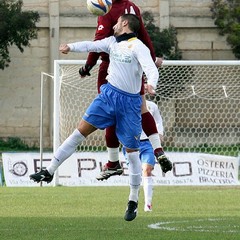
[(69, 21)]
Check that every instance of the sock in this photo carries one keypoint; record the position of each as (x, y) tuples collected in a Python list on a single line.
[(135, 171), (148, 190), (67, 148), (113, 156), (155, 141), (158, 152)]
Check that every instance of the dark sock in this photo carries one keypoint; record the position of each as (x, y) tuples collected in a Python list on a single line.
[(158, 151), (148, 124), (112, 164), (111, 137)]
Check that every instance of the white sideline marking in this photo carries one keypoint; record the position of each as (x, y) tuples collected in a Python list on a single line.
[(194, 226)]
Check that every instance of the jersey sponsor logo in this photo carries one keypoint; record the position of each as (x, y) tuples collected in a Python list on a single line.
[(121, 58), (100, 27), (131, 11)]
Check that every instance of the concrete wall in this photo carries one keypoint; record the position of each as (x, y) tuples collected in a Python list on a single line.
[(68, 21)]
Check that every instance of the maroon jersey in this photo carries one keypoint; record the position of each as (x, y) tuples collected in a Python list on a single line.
[(105, 28)]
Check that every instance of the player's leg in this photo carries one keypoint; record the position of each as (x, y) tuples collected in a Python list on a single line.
[(64, 151), (70, 144), (135, 169), (112, 147), (149, 127), (128, 130), (147, 187), (148, 161), (112, 167), (102, 74), (133, 193)]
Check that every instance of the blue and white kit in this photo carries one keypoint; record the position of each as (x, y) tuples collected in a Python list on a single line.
[(119, 102)]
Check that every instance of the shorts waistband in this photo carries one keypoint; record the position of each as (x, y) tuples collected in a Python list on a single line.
[(122, 92)]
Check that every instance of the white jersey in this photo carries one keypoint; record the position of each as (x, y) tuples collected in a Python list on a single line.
[(153, 109), (128, 60)]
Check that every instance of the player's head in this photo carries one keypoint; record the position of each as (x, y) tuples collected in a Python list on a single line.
[(127, 23)]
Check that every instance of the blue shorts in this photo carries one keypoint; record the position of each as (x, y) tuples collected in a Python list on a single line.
[(115, 107), (146, 153)]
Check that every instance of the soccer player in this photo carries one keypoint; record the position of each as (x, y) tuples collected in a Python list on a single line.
[(147, 156), (119, 101), (105, 29)]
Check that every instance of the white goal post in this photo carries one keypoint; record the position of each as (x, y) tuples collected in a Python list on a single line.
[(199, 102)]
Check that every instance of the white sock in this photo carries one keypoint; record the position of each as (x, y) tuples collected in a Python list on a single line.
[(155, 141), (67, 148), (113, 154), (148, 190), (135, 171)]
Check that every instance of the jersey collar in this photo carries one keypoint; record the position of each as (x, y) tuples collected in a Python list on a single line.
[(125, 36)]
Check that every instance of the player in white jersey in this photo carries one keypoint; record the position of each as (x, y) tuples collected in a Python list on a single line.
[(147, 156), (119, 102)]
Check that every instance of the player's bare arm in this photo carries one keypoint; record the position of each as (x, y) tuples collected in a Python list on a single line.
[(150, 89)]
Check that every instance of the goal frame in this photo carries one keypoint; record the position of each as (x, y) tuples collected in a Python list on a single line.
[(57, 83)]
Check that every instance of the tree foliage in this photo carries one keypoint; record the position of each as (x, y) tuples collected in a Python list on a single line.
[(17, 27), (165, 42), (226, 15)]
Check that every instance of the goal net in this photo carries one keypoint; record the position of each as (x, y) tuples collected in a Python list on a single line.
[(198, 100)]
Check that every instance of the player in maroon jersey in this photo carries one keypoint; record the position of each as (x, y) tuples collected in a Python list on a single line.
[(105, 29)]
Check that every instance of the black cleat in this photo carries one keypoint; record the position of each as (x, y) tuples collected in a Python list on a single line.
[(108, 172), (42, 175), (131, 211), (165, 163)]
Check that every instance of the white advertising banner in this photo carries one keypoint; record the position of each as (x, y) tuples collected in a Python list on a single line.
[(81, 169)]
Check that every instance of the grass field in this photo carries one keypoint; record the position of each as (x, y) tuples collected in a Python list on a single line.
[(181, 213)]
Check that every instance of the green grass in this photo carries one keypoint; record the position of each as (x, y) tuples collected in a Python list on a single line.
[(206, 213)]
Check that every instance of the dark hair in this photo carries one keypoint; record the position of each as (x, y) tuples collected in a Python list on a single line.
[(133, 21)]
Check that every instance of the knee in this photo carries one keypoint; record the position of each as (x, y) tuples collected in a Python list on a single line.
[(147, 170), (85, 128)]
